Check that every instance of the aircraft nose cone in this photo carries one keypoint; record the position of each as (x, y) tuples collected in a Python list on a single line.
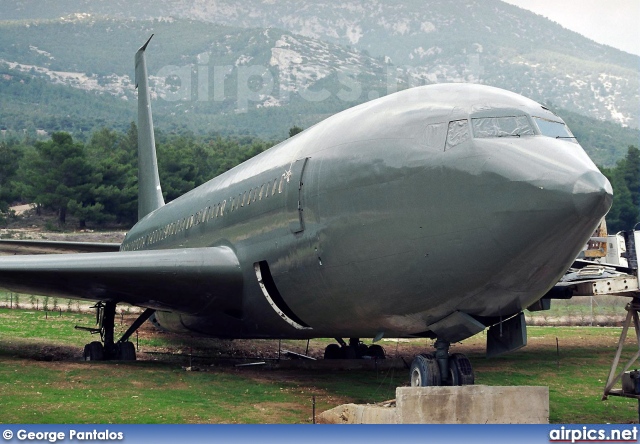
[(592, 194)]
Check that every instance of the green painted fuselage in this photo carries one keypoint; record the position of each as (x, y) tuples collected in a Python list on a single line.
[(374, 222)]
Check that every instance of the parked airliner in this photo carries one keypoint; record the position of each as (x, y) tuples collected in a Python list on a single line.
[(437, 211)]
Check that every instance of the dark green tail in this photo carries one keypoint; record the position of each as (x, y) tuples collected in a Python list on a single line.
[(149, 191)]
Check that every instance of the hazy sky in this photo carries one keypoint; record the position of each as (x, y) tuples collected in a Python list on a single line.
[(612, 22)]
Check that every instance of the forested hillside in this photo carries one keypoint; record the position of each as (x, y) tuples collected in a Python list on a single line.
[(96, 182)]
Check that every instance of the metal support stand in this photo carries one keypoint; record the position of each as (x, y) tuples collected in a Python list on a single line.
[(632, 314)]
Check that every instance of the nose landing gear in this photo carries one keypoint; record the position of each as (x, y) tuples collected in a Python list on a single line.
[(432, 370)]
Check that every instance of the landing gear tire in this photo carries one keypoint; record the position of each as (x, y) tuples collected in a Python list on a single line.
[(424, 371), (93, 352), (333, 351), (121, 350), (461, 370), (126, 351)]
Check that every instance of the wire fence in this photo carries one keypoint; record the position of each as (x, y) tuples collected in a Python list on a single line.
[(578, 311)]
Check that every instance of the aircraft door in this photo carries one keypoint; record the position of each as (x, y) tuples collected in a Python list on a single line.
[(294, 175)]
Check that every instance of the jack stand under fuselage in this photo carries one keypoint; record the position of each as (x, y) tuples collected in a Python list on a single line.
[(632, 391)]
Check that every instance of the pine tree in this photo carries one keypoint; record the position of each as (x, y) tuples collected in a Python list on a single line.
[(60, 176), (631, 172), (623, 213)]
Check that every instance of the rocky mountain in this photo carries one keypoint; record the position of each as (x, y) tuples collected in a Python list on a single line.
[(262, 65), (499, 44)]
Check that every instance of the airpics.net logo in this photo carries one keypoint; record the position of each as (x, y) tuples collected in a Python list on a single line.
[(587, 434)]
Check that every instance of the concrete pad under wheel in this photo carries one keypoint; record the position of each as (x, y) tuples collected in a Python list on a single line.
[(471, 404)]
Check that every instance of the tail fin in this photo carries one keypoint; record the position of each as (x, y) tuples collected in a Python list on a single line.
[(149, 191)]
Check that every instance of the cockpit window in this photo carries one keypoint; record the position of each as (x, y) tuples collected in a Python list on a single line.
[(457, 133), (511, 126), (435, 135), (555, 129)]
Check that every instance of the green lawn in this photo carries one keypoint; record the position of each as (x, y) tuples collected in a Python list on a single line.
[(42, 379)]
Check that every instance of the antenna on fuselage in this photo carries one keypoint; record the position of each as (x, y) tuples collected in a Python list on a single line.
[(149, 191)]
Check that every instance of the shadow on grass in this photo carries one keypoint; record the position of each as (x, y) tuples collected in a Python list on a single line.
[(39, 351)]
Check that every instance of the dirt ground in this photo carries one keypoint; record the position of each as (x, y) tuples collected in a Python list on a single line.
[(206, 351), (29, 225)]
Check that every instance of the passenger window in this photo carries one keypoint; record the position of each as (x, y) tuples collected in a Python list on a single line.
[(281, 184), (275, 184)]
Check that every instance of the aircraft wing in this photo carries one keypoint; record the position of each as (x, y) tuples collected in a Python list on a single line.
[(10, 246), (183, 280)]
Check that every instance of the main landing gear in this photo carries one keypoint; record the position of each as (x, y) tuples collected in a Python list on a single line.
[(108, 349), (441, 368), (354, 350)]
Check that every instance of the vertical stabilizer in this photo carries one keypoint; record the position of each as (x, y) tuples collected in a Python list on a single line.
[(149, 191)]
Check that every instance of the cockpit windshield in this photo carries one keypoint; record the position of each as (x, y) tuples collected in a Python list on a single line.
[(509, 126), (552, 128)]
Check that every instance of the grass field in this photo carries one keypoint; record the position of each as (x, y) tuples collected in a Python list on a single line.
[(42, 379)]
